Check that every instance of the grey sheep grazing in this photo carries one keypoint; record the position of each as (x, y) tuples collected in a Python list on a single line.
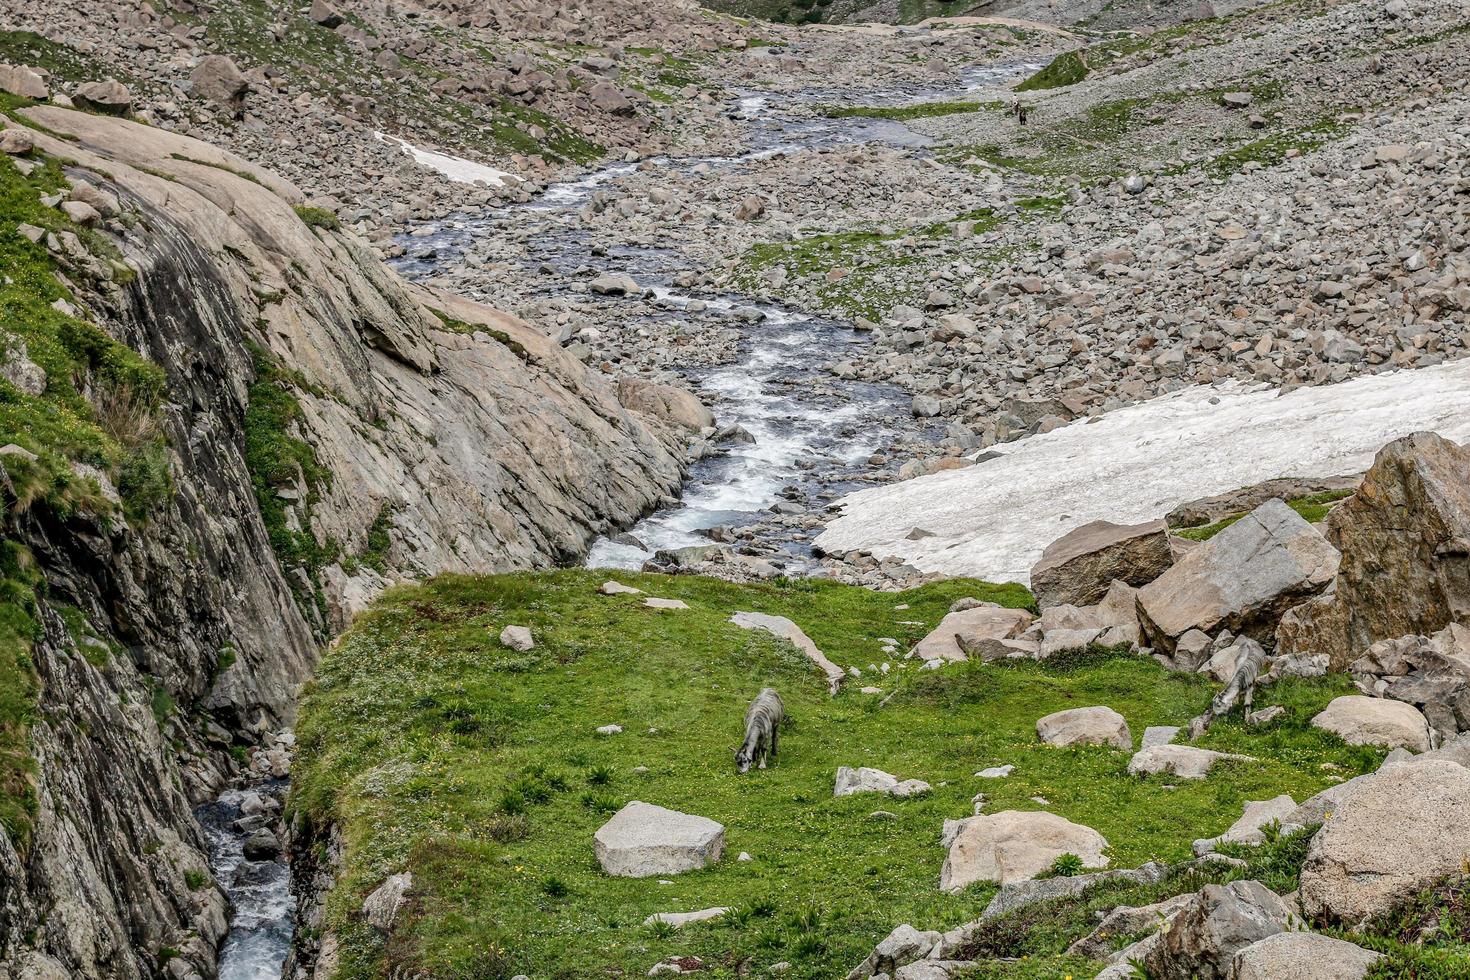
[(762, 728)]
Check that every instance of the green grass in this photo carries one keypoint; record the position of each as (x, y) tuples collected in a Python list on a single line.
[(278, 459), (318, 217), (1067, 68), (436, 750), (99, 407), (1271, 150), (917, 110), (312, 56), (1313, 508)]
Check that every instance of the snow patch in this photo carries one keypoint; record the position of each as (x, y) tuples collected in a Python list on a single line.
[(456, 169), (1136, 464)]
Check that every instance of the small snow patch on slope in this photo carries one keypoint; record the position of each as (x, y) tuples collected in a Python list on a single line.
[(1138, 463), (455, 168)]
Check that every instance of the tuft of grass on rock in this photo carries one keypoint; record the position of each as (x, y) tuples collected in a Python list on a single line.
[(315, 217)]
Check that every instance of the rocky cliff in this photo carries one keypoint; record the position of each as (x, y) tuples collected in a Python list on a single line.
[(321, 429)]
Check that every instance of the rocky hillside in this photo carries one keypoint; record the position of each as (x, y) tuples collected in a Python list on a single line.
[(225, 426)]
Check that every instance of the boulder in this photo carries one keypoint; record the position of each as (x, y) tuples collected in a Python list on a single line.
[(16, 142), (665, 402), (1061, 641), (1375, 721), (1247, 830), (1302, 956), (1015, 845), (262, 845), (971, 627), (216, 79), (1080, 566), (1429, 672), (1396, 833), (607, 97), (1184, 761), (750, 209), (1217, 923), (324, 14), (1085, 726), (899, 948), (1242, 579), (642, 840), (1126, 920), (865, 780), (110, 97), (517, 638), (24, 82), (381, 908), (614, 284), (1405, 543)]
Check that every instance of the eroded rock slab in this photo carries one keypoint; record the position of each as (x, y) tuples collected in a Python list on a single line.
[(642, 840)]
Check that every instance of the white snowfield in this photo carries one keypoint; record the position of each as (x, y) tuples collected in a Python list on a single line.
[(992, 520), (456, 169)]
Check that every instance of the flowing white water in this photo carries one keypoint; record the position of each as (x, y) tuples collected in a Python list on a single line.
[(260, 893), (808, 433)]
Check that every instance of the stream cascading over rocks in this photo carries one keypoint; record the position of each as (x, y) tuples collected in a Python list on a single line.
[(800, 435)]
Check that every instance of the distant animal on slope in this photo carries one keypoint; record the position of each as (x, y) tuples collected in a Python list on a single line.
[(762, 728)]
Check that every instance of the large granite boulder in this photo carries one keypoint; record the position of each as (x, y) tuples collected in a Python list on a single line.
[(109, 97), (665, 402), (1405, 543), (25, 82), (642, 840), (1396, 833), (1220, 921), (1430, 672), (969, 628), (217, 79), (1077, 568), (1302, 956), (1375, 721), (1242, 579), (1085, 726), (1014, 845)]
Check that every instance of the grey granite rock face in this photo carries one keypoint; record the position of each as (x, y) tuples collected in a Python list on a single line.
[(489, 449)]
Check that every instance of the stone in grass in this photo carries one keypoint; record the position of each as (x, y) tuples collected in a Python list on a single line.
[(643, 840), (1085, 726), (1247, 830), (1183, 761), (1014, 845), (611, 587), (517, 638), (653, 602), (995, 772), (610, 729), (866, 780), (1360, 720), (681, 919), (1218, 922), (381, 908)]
